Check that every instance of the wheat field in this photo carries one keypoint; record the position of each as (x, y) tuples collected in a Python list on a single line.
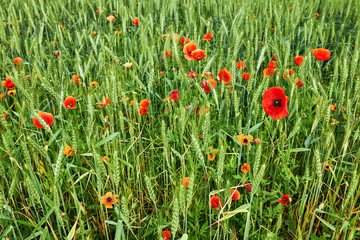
[(179, 119)]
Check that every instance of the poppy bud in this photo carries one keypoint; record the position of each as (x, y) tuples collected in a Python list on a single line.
[(248, 187), (300, 84), (57, 53), (257, 141)]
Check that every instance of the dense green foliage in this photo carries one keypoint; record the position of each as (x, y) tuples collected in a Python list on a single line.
[(311, 155)]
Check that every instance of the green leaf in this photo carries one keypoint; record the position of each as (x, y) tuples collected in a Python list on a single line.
[(107, 139), (299, 149), (254, 128)]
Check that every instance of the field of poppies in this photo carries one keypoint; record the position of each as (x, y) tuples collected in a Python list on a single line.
[(179, 119)]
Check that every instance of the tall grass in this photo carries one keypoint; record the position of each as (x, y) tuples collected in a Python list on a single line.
[(312, 155)]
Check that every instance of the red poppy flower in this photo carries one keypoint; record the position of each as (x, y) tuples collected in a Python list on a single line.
[(298, 60), (198, 54), (144, 103), (161, 73), (321, 54), (136, 21), (175, 95), (47, 117), (205, 86), (105, 102), (188, 49), (166, 235), (272, 64), (300, 84), (70, 102), (208, 36), (76, 78), (224, 76), (284, 199), (192, 74), (245, 168), (215, 202), (241, 65), (235, 194), (246, 76), (143, 111), (275, 102), (290, 71), (184, 39), (8, 83), (274, 57), (18, 60), (167, 54), (268, 72), (185, 182), (248, 187)]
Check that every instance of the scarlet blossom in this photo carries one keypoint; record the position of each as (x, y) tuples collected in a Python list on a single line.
[(215, 202), (105, 102), (144, 103), (241, 65), (70, 102), (274, 57), (188, 49), (257, 141), (18, 60), (192, 74), (205, 84), (94, 83), (5, 116), (174, 95), (136, 21), (275, 102), (185, 181), (224, 76), (235, 194), (321, 54), (212, 153), (57, 54), (198, 54), (110, 18), (161, 73), (166, 235), (47, 117), (268, 72), (272, 64), (97, 11), (76, 78), (167, 54), (8, 83), (244, 140), (300, 84), (105, 159), (246, 76), (208, 36), (285, 199), (68, 151), (245, 168), (290, 71), (143, 111), (202, 110), (333, 107), (184, 40), (248, 187), (316, 15), (298, 60), (109, 199)]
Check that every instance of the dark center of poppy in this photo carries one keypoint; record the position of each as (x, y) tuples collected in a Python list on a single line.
[(284, 199), (108, 199), (70, 104), (245, 140), (277, 103)]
